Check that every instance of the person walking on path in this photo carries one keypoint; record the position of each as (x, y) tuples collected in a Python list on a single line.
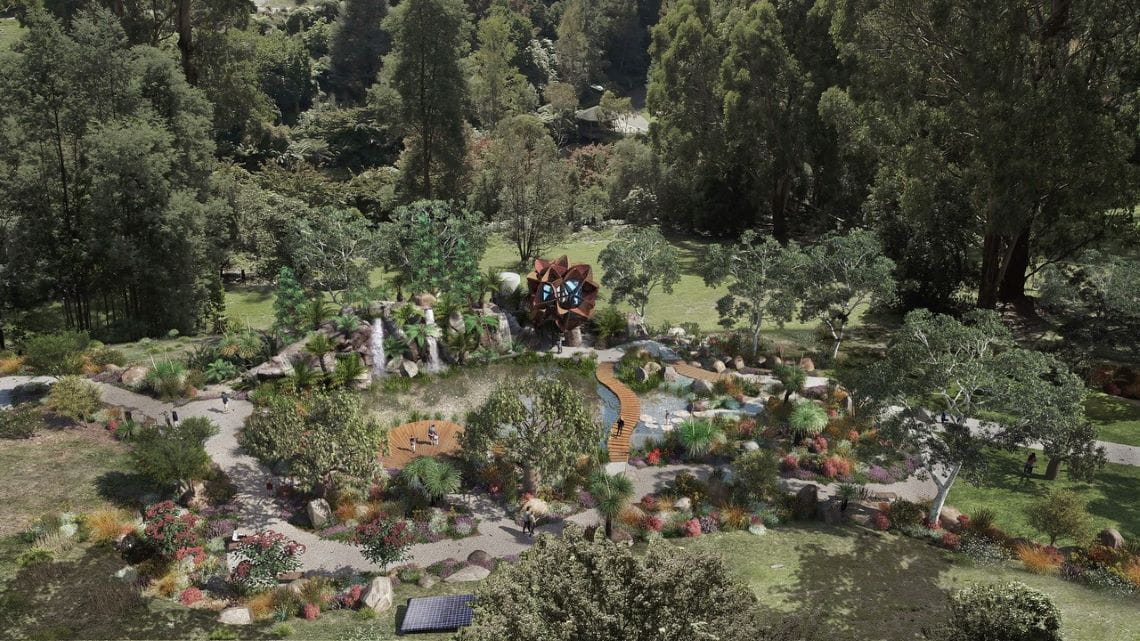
[(433, 435), (225, 403), (412, 443), (1029, 463), (166, 418), (528, 523), (561, 339), (620, 426), (174, 415)]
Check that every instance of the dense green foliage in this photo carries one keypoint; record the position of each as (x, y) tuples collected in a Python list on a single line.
[(572, 588), (175, 456), (1010, 612)]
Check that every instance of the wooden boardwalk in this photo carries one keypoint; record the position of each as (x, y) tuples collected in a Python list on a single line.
[(630, 412), (399, 442), (688, 371)]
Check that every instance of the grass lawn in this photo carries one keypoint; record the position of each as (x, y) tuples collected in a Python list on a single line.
[(57, 471), (1117, 419), (141, 352), (869, 587), (10, 32), (250, 305), (1112, 496)]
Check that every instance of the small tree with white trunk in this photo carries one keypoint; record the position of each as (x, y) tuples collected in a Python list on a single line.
[(971, 368)]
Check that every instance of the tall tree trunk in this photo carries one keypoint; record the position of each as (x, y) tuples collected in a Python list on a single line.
[(780, 197), (991, 267), (1053, 468), (185, 45), (531, 479), (943, 492), (1011, 289)]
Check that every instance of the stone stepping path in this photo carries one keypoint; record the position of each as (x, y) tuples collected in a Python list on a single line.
[(399, 442), (618, 444)]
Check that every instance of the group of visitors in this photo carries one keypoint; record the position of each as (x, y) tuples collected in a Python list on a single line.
[(433, 438)]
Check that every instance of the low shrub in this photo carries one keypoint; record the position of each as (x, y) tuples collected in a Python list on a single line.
[(56, 354), (263, 556), (281, 631), (983, 551), (691, 528), (34, 556), (904, 513), (310, 611), (190, 596), (168, 528), (1010, 612), (22, 421), (881, 522), (950, 541)]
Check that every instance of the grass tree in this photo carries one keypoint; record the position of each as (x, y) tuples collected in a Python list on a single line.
[(972, 368), (638, 262), (612, 493), (539, 426), (792, 378), (759, 275), (838, 276), (431, 477), (349, 368), (806, 420), (700, 436)]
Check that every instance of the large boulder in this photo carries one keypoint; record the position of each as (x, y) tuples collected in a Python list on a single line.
[(751, 446), (408, 368), (948, 518), (478, 557), (669, 373), (508, 283), (320, 513), (127, 574), (683, 504), (718, 366), (468, 573), (772, 361), (807, 365), (676, 332), (738, 363), (424, 300), (701, 386), (807, 502), (652, 367), (134, 376), (1111, 538), (235, 616), (378, 595), (427, 580), (641, 374)]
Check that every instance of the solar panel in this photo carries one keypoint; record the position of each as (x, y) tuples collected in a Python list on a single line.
[(437, 614)]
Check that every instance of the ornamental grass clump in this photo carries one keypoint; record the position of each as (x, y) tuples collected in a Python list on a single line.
[(1039, 559)]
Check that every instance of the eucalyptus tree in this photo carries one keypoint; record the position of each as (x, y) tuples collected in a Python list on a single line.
[(637, 262)]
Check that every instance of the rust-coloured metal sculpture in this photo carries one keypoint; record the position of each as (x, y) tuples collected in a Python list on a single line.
[(561, 293)]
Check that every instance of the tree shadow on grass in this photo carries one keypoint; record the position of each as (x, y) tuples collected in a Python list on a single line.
[(125, 489), (883, 587), (1120, 502)]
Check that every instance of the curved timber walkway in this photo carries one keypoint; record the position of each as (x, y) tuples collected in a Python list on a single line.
[(399, 442), (630, 412), (689, 371)]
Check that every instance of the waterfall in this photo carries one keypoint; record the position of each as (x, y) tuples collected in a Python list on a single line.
[(504, 333), (432, 360), (379, 361)]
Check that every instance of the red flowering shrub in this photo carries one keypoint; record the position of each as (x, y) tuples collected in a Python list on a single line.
[(963, 521), (692, 527), (654, 457), (190, 596), (197, 553), (351, 597), (385, 540), (853, 436), (882, 523), (265, 555), (819, 444), (654, 523), (649, 503), (950, 541), (835, 467), (789, 463), (745, 427), (168, 528), (310, 611)]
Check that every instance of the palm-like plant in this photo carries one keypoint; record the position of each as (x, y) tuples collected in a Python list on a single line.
[(447, 305), (807, 420), (488, 284), (317, 346), (316, 312), (348, 368), (432, 477), (395, 346), (612, 493), (304, 376), (346, 323), (699, 437), (792, 378), (419, 334), (407, 315), (245, 346)]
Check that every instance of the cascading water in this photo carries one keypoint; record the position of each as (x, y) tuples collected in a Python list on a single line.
[(379, 360), (432, 360)]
